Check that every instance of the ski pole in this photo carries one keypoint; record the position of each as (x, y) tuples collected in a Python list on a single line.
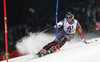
[(47, 29)]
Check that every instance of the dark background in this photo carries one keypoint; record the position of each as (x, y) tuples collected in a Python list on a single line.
[(18, 10)]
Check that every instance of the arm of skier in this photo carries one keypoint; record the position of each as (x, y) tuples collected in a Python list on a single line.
[(59, 24), (81, 32)]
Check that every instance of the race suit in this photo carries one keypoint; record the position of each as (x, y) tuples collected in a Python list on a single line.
[(66, 34)]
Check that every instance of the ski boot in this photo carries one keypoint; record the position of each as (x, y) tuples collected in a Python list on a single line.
[(41, 53)]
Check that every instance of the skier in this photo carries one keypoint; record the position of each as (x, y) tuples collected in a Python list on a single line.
[(66, 34)]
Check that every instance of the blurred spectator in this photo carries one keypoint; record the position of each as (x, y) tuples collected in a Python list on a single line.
[(14, 54), (97, 26), (2, 55), (98, 2), (14, 34), (29, 25)]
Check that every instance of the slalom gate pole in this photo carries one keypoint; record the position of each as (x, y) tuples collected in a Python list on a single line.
[(6, 37), (56, 24)]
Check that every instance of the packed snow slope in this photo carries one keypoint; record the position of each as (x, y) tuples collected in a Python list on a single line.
[(73, 51)]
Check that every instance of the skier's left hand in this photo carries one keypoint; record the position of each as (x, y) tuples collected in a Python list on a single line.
[(83, 40)]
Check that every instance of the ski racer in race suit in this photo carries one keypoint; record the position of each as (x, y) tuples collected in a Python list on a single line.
[(66, 34)]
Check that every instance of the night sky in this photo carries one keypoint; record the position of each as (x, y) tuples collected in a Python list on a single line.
[(18, 10)]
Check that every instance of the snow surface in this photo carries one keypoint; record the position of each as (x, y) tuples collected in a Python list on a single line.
[(74, 51)]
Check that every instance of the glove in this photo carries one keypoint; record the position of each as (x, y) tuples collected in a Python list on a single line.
[(58, 25), (83, 40)]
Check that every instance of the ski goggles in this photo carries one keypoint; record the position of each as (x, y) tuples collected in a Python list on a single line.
[(69, 16)]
